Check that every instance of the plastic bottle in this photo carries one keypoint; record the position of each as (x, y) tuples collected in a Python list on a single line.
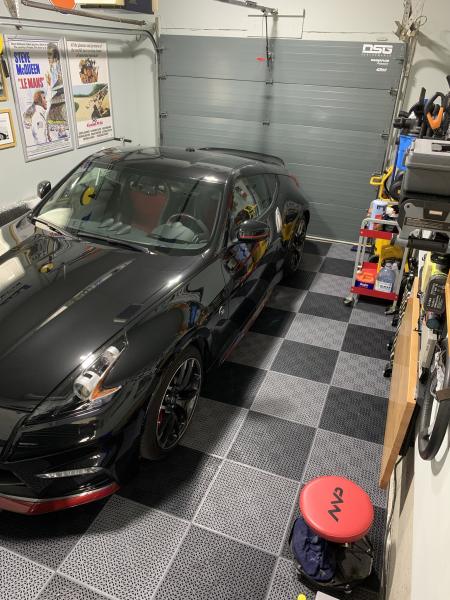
[(386, 277)]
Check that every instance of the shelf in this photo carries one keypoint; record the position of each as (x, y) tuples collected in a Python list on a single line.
[(373, 293), (375, 233)]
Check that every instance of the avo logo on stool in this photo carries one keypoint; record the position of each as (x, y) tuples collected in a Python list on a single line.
[(338, 499)]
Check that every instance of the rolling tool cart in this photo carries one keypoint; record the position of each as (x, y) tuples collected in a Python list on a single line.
[(365, 281)]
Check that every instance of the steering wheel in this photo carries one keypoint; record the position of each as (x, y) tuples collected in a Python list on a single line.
[(200, 225)]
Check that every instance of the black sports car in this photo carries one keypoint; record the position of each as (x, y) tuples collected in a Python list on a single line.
[(140, 270)]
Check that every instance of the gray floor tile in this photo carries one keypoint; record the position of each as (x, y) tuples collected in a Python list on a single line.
[(311, 262), (126, 551), (355, 414), (60, 588), (248, 505), (301, 280), (303, 360), (292, 398), (272, 444), (20, 579), (47, 539), (256, 350), (317, 331), (214, 426), (342, 251), (334, 285), (359, 460), (176, 484), (211, 567), (371, 319), (362, 374), (373, 305), (285, 585), (286, 298)]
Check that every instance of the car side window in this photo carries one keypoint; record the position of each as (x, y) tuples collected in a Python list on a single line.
[(272, 184), (251, 198)]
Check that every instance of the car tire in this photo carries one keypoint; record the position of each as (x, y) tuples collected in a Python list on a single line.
[(164, 410), (295, 252)]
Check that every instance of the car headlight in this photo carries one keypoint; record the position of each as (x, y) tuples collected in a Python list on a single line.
[(84, 390)]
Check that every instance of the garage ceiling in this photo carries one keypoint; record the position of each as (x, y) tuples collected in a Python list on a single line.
[(323, 107)]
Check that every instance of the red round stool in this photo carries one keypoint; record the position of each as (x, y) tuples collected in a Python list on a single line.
[(337, 509)]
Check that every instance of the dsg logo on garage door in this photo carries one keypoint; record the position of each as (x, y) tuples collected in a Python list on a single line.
[(377, 49)]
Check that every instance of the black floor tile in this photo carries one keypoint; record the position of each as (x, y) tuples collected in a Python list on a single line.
[(373, 305), (209, 566), (49, 538), (301, 280), (273, 321), (367, 341), (176, 484), (273, 445), (313, 247), (355, 414), (302, 360), (322, 305), (336, 266), (233, 383)]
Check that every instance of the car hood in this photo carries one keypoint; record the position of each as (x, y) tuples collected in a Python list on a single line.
[(60, 300)]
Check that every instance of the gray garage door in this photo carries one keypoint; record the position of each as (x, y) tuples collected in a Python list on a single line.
[(323, 108)]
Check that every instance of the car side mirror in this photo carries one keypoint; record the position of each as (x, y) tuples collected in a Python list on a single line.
[(253, 231), (43, 188)]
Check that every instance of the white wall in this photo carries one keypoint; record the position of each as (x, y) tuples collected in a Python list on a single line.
[(432, 56), (431, 526), (134, 97), (325, 19)]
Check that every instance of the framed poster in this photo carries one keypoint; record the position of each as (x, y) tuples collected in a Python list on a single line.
[(91, 92), (3, 89), (37, 68), (7, 134)]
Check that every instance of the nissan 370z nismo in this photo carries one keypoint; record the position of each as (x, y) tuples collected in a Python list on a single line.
[(139, 271)]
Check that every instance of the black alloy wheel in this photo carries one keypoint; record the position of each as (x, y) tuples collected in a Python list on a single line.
[(295, 252), (434, 416), (173, 404)]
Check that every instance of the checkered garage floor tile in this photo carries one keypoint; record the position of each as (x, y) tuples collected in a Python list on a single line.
[(303, 395)]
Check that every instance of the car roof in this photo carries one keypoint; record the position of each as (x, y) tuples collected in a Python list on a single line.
[(189, 162)]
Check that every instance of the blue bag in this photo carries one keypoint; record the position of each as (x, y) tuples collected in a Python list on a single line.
[(315, 555)]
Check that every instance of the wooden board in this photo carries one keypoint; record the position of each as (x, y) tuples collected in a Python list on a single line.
[(402, 397)]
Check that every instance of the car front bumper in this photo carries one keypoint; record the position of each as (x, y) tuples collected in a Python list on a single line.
[(39, 506)]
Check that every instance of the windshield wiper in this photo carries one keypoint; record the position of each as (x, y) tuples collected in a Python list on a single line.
[(52, 227), (113, 241)]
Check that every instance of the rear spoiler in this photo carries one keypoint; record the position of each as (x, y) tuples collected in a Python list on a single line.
[(265, 158)]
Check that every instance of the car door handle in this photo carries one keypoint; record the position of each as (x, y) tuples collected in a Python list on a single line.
[(221, 311)]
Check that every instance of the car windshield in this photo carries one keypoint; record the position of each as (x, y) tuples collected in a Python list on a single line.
[(147, 207)]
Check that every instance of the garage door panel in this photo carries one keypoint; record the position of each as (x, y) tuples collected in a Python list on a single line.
[(337, 108), (244, 100), (335, 222), (197, 131), (327, 147), (294, 143), (336, 64), (213, 57), (333, 107), (342, 187), (295, 61)]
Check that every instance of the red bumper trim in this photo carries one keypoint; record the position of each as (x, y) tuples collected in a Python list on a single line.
[(39, 506)]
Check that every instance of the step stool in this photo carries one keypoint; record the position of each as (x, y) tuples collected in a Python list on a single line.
[(341, 512)]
